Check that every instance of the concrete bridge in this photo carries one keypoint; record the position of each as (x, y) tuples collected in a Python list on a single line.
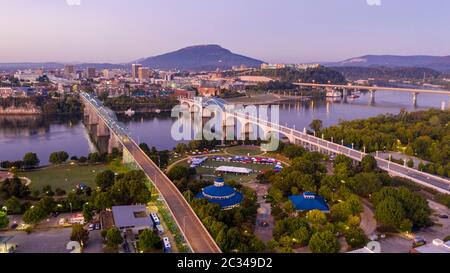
[(103, 123), (372, 89), (249, 123)]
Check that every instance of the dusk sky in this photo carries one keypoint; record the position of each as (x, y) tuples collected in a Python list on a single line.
[(270, 30)]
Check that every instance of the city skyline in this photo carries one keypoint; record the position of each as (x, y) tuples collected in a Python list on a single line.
[(54, 31)]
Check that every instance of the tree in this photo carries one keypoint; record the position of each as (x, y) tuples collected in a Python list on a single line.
[(34, 215), (58, 157), (149, 241), (355, 237), (390, 213), (316, 219), (13, 205), (178, 172), (4, 221), (324, 242), (105, 180), (181, 148), (365, 184), (14, 187), (302, 236), (113, 238), (289, 207), (130, 188), (30, 160), (410, 163), (369, 164), (93, 157), (79, 234), (88, 212), (103, 200), (316, 125)]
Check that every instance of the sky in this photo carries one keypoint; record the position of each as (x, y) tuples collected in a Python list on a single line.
[(289, 31)]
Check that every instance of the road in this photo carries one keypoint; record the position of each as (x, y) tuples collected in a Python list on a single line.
[(195, 233)]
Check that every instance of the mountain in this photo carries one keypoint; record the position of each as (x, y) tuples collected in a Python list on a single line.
[(199, 58), (438, 63)]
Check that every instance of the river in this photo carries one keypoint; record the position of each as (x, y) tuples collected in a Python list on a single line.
[(21, 134)]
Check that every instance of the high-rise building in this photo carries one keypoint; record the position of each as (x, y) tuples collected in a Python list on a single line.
[(90, 72), (143, 73), (69, 71), (135, 70)]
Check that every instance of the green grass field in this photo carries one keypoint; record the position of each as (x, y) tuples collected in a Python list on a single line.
[(208, 169), (244, 150), (67, 177)]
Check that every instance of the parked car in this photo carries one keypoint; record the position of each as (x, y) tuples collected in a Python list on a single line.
[(14, 226), (91, 227), (97, 226), (443, 216)]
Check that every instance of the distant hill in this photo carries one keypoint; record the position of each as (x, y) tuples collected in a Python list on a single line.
[(438, 63), (199, 58)]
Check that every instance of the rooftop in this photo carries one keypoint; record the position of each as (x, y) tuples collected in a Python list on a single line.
[(131, 216), (309, 201)]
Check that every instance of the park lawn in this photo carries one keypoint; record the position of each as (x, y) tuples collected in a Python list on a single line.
[(245, 150), (65, 177), (208, 169)]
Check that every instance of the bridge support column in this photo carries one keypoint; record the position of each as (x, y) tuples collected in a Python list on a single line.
[(345, 94), (415, 98), (86, 114), (93, 119), (372, 97), (114, 143), (102, 129)]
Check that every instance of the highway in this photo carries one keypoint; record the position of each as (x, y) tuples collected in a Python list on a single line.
[(375, 88)]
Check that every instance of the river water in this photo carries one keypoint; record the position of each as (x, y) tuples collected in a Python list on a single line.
[(21, 134)]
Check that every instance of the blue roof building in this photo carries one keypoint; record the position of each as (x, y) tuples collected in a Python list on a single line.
[(219, 193), (309, 201)]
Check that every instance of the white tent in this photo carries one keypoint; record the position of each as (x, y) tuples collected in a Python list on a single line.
[(230, 169)]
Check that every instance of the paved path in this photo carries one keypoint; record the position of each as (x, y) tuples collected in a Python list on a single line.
[(368, 222)]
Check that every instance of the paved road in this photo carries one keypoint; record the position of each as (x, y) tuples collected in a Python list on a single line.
[(193, 229)]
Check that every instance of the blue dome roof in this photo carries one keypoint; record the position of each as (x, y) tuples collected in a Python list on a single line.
[(219, 193)]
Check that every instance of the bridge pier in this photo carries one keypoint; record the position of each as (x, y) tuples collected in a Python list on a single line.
[(102, 130), (345, 94), (114, 143), (372, 97), (415, 98)]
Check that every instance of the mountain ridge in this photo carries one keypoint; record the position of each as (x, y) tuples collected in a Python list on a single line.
[(438, 63), (199, 57)]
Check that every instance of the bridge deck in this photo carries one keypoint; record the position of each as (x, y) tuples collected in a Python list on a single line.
[(375, 88)]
